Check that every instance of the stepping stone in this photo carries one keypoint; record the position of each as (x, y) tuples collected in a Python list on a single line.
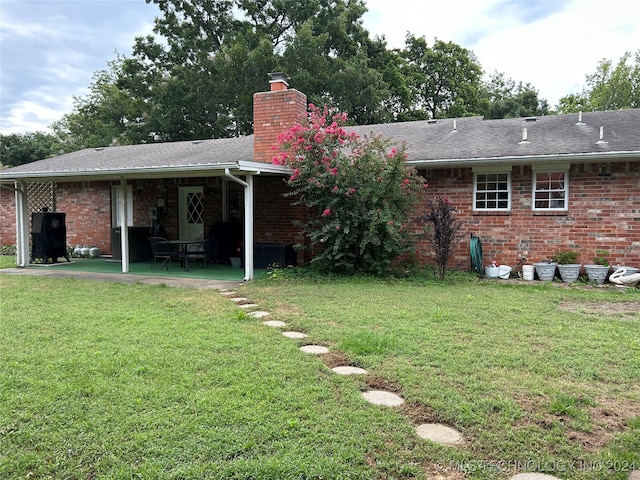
[(274, 323), (439, 433), (380, 397), (239, 299), (294, 334), (248, 305), (534, 476), (346, 370), (259, 314), (228, 293), (634, 475), (315, 349)]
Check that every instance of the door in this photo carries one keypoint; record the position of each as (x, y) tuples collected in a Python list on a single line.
[(191, 212)]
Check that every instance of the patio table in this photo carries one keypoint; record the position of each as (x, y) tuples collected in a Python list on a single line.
[(183, 250)]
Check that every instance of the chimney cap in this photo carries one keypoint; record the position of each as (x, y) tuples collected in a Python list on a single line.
[(278, 77)]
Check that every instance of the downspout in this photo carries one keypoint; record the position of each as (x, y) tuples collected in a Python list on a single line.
[(124, 227), (22, 225), (248, 222)]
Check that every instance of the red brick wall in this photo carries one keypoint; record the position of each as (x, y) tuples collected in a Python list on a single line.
[(273, 113), (604, 213), (7, 217)]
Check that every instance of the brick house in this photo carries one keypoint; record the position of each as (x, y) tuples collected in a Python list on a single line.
[(525, 186)]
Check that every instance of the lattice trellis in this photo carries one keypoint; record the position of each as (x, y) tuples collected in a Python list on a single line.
[(40, 195)]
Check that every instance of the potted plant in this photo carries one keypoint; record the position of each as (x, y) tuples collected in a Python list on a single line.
[(545, 270), (598, 271), (567, 266)]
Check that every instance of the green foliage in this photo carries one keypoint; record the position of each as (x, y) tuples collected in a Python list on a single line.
[(610, 87), (444, 80), (445, 232), (565, 257), (18, 149), (359, 193), (601, 258), (505, 99)]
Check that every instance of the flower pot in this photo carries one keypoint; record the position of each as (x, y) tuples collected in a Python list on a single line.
[(569, 272), (630, 270), (491, 272), (546, 271), (597, 273)]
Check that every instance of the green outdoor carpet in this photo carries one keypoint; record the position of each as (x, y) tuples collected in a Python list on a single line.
[(196, 270)]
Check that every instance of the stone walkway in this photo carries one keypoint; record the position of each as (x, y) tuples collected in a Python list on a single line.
[(434, 432)]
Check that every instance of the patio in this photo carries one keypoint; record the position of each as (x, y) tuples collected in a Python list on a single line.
[(104, 265)]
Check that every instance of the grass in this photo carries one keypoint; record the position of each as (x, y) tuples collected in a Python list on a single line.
[(117, 381)]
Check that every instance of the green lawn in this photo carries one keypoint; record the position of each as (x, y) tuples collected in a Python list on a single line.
[(104, 380)]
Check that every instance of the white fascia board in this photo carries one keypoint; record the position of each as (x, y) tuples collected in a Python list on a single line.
[(527, 160), (173, 171)]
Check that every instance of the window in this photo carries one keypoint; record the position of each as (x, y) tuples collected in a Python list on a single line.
[(492, 191), (550, 191)]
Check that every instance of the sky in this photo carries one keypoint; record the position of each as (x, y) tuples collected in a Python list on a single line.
[(49, 49)]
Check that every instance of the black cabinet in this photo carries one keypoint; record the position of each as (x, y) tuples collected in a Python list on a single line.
[(267, 255), (139, 247), (48, 236)]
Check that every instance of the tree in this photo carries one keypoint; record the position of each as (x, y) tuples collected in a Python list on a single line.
[(359, 193), (108, 115), (18, 149), (506, 99), (445, 80), (608, 88), (196, 76)]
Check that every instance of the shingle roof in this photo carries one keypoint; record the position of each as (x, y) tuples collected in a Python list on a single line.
[(552, 135), (188, 155), (428, 142)]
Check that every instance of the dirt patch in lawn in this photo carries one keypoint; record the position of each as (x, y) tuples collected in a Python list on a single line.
[(623, 310), (336, 358)]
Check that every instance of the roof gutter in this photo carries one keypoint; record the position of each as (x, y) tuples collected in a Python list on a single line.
[(527, 160), (174, 171)]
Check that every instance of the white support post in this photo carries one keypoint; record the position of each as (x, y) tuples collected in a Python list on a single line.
[(248, 222), (22, 225), (124, 228), (248, 229)]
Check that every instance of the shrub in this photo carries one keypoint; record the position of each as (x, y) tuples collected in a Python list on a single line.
[(445, 232), (358, 191)]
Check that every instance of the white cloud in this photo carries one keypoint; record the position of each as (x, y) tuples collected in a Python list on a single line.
[(551, 44)]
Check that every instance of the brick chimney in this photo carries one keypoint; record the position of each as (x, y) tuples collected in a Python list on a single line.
[(274, 112)]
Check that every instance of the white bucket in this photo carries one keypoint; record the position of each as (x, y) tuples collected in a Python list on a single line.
[(236, 262), (527, 272), (505, 272), (491, 271)]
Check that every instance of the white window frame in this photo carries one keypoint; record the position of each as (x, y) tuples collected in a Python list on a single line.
[(492, 192), (554, 194)]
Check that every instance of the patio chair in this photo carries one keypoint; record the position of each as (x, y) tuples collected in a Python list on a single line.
[(197, 251), (161, 250)]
